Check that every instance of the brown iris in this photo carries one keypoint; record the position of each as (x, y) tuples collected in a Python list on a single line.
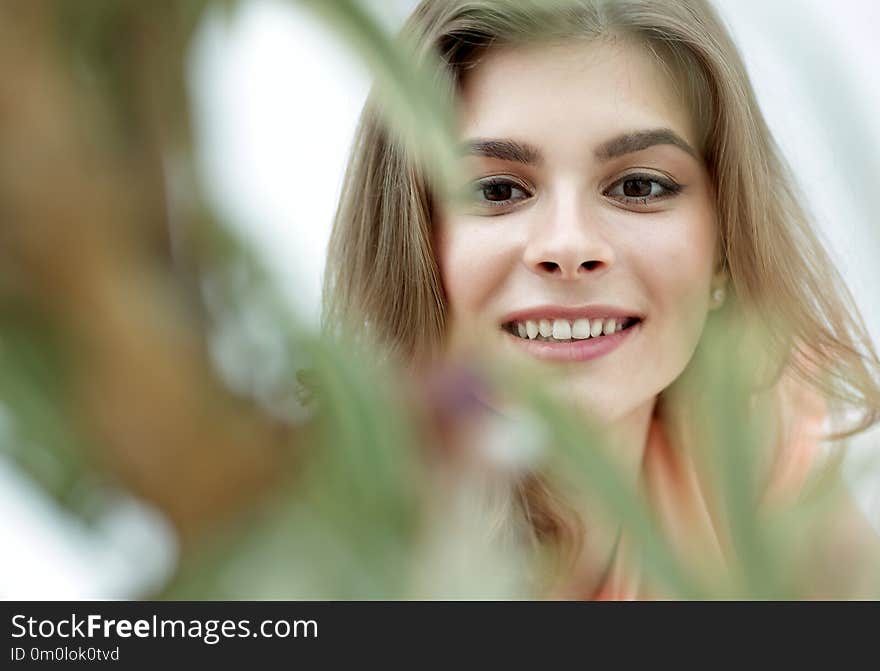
[(637, 188)]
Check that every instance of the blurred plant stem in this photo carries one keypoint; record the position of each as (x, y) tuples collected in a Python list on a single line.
[(409, 89)]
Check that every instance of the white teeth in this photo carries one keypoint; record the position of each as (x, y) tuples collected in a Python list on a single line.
[(531, 329), (562, 329), (580, 330)]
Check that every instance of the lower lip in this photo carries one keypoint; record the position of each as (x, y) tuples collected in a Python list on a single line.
[(576, 350)]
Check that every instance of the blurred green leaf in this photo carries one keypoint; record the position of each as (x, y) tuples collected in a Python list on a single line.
[(38, 430), (409, 89)]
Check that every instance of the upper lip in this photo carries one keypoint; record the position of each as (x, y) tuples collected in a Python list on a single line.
[(568, 312)]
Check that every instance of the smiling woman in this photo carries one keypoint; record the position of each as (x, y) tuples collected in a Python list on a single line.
[(630, 230)]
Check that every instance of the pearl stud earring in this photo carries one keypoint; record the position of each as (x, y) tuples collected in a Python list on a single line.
[(718, 295)]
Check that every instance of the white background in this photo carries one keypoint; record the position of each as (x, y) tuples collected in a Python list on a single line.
[(277, 98)]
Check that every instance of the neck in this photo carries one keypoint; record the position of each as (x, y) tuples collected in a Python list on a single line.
[(627, 438)]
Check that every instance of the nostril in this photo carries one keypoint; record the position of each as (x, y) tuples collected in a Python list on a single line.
[(549, 266), (591, 265)]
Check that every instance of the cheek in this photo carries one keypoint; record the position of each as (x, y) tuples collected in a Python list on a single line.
[(474, 262), (679, 280)]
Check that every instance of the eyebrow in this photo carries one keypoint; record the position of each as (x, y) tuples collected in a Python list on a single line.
[(627, 143)]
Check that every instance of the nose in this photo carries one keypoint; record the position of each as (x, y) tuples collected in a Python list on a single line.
[(568, 243)]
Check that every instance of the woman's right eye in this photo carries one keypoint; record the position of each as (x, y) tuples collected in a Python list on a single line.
[(497, 192)]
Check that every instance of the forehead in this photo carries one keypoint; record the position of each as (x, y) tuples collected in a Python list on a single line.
[(571, 96)]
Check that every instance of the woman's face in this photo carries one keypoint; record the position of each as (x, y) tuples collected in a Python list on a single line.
[(591, 214)]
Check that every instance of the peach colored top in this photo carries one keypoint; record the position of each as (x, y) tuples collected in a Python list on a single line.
[(673, 489)]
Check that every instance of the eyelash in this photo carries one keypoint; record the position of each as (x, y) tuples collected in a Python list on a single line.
[(670, 188)]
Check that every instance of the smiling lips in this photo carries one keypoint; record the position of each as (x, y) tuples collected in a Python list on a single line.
[(570, 334)]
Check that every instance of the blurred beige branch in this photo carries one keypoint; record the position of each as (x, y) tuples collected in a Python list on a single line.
[(84, 238)]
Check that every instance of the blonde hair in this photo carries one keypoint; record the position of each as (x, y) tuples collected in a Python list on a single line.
[(382, 273)]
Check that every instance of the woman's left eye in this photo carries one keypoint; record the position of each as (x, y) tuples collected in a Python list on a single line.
[(642, 189)]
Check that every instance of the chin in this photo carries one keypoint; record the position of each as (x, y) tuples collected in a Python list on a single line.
[(602, 402)]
